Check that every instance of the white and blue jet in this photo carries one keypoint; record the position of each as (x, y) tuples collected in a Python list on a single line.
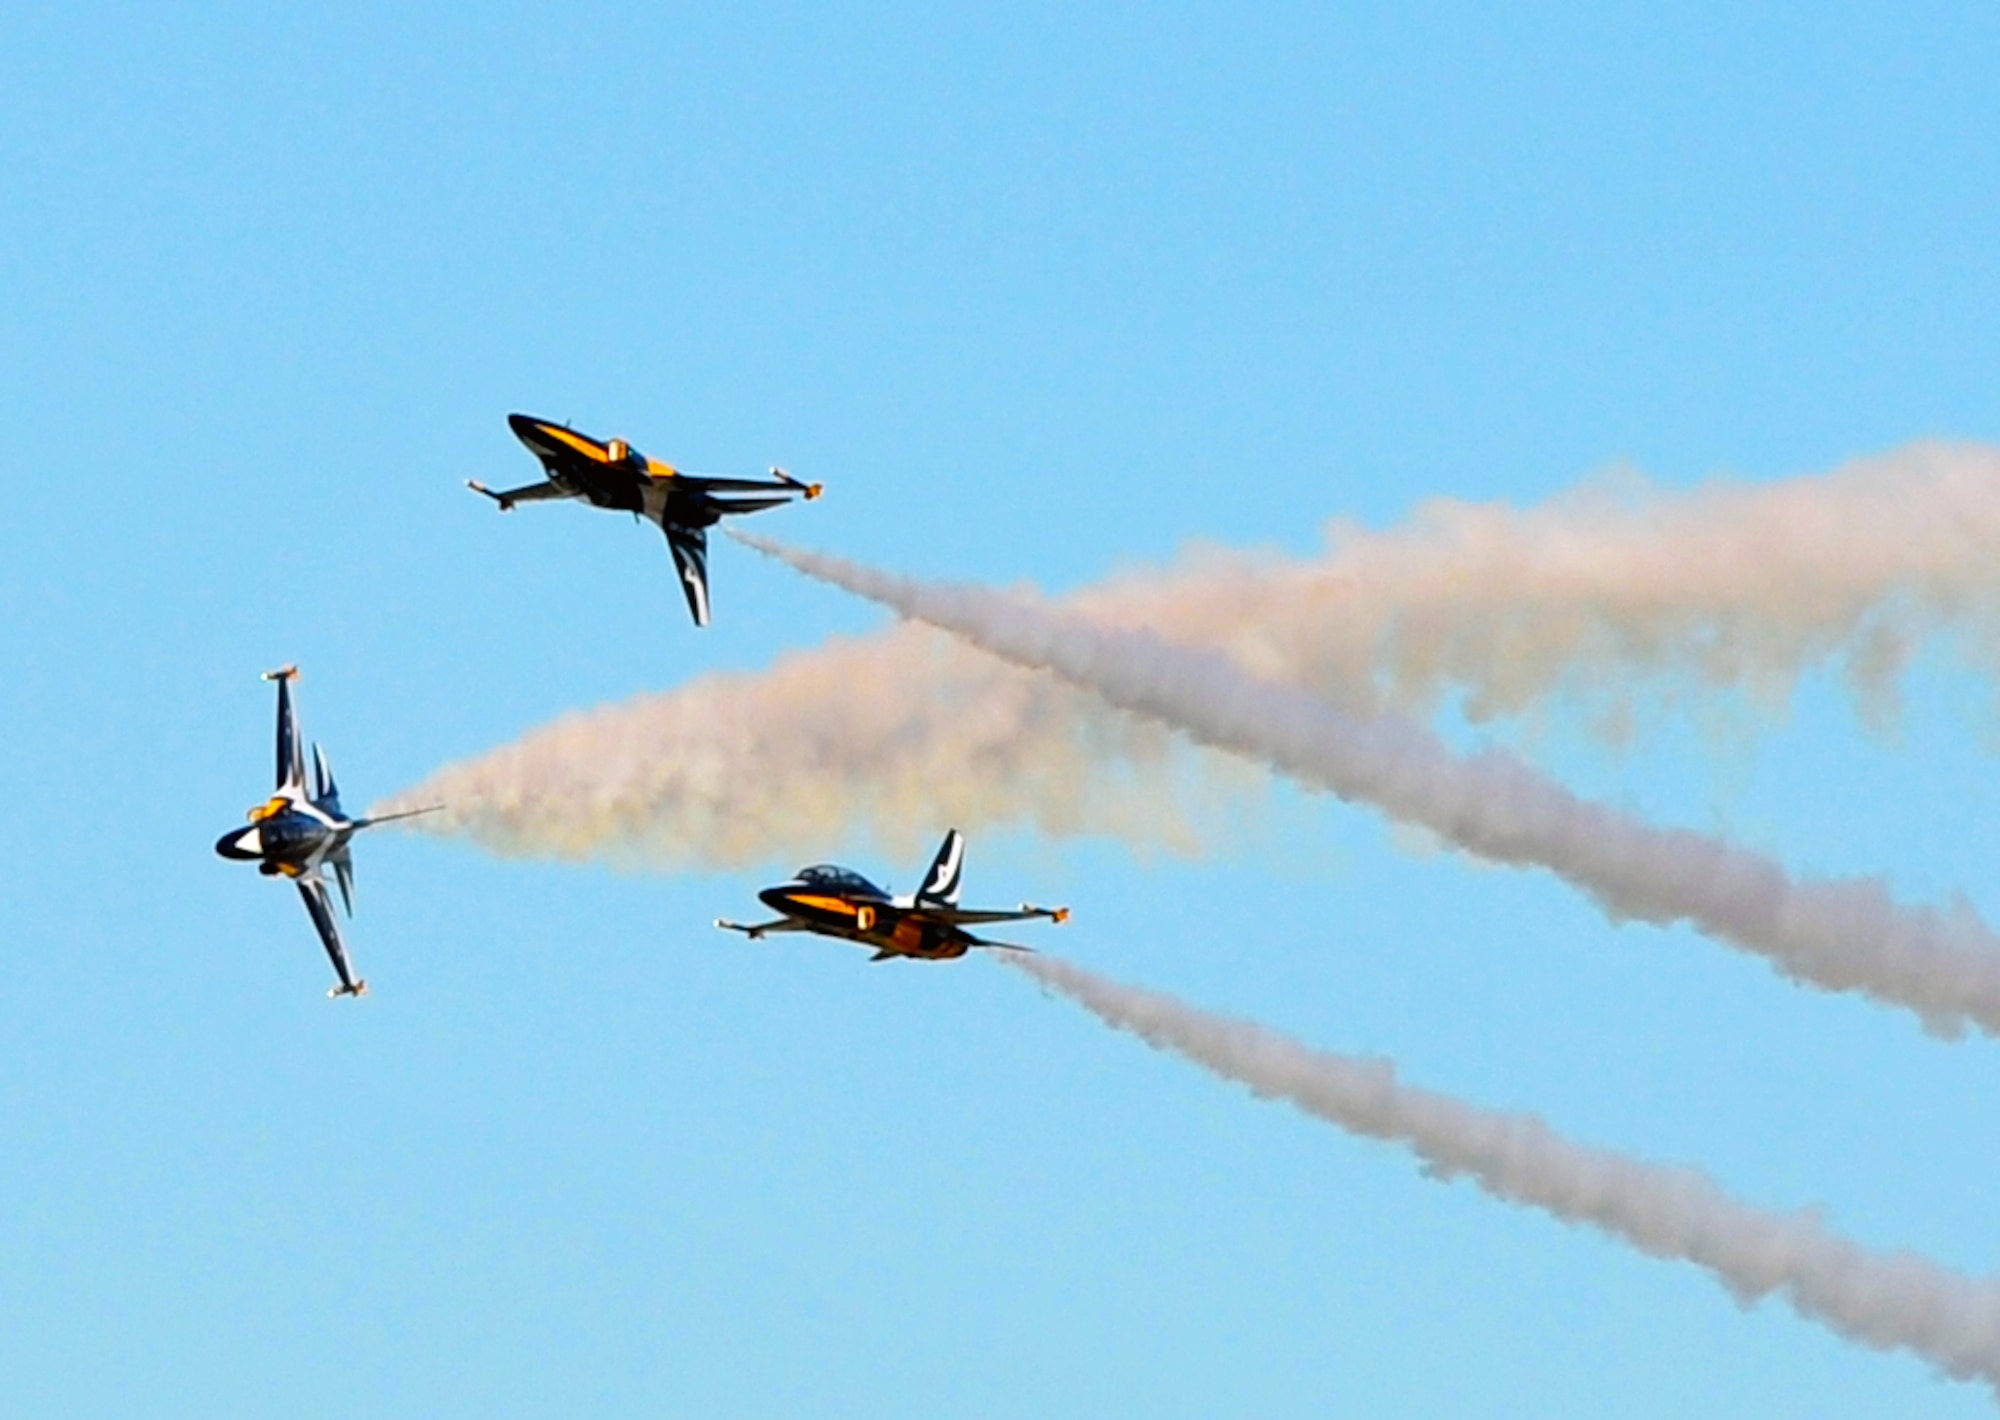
[(301, 830)]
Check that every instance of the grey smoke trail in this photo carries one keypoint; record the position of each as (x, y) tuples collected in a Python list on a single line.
[(1723, 586), (884, 737), (1721, 591), (1845, 935), (1896, 1301)]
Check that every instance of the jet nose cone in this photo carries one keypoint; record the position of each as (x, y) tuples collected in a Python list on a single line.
[(775, 899), (528, 430), (242, 845)]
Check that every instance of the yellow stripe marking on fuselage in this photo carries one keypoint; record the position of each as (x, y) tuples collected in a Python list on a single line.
[(829, 904), (581, 443)]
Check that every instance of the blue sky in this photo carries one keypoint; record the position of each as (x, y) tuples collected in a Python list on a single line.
[(1038, 292)]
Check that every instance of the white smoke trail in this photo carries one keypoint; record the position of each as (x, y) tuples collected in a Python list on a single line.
[(1845, 935), (1726, 587), (1723, 590), (887, 737), (1897, 1301)]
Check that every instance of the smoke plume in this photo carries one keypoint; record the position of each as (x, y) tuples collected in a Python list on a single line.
[(1727, 593), (1723, 588), (886, 738), (1843, 935), (1895, 1301)]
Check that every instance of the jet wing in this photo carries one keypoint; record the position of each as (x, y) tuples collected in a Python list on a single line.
[(291, 747), (313, 890), (531, 493), (740, 485), (690, 547), (778, 482), (963, 917), (762, 929)]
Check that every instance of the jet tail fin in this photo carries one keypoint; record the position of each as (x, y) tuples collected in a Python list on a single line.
[(690, 549), (941, 883), (324, 790), (343, 875)]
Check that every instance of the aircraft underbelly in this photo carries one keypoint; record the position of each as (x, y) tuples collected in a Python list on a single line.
[(604, 489), (929, 940), (682, 507), (292, 842)]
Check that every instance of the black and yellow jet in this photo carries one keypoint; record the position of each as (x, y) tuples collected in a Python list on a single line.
[(929, 924), (613, 474)]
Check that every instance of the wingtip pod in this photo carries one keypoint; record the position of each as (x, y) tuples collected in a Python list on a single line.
[(1054, 914), (811, 490), (506, 504), (1060, 914), (283, 673), (359, 988)]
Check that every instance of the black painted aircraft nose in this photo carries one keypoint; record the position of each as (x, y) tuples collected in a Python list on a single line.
[(230, 845)]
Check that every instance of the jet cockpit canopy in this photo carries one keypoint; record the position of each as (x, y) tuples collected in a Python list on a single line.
[(839, 879)]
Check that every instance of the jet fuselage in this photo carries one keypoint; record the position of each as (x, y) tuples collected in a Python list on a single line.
[(604, 474), (289, 836), (612, 474), (877, 921), (929, 924)]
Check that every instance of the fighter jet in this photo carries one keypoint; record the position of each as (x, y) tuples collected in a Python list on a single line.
[(299, 832), (613, 474), (838, 902)]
